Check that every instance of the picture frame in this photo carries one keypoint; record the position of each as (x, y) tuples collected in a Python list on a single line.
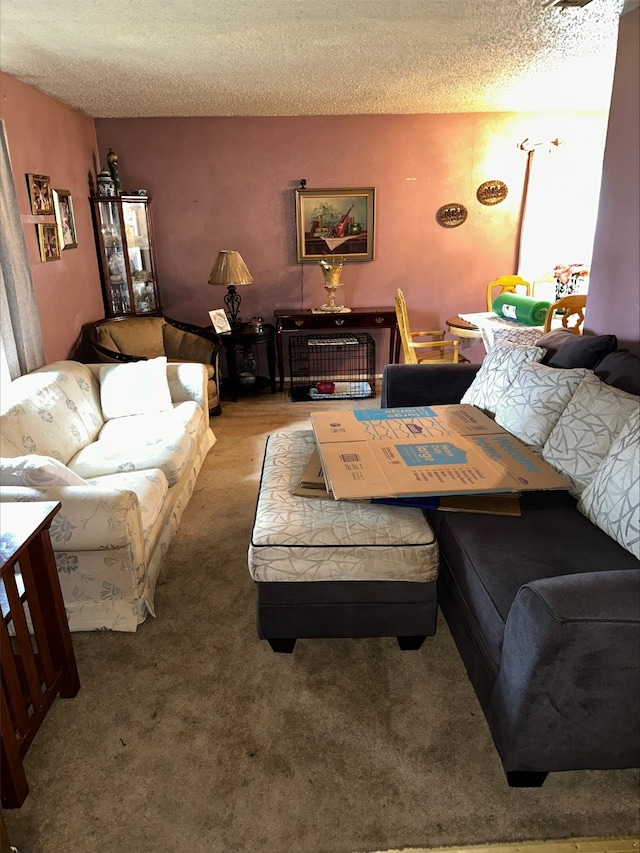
[(48, 242), (65, 220), (219, 320), (339, 222), (40, 194)]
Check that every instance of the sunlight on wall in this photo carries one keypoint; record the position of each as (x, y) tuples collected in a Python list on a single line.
[(563, 191), (562, 196), (561, 206)]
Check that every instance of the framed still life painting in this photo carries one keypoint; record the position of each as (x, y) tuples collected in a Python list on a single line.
[(335, 222)]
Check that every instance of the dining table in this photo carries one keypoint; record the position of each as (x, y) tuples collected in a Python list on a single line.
[(487, 328)]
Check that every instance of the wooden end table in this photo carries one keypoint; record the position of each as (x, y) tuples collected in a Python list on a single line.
[(246, 336)]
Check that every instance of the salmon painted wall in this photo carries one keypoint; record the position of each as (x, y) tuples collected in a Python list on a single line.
[(47, 137), (615, 304), (228, 183)]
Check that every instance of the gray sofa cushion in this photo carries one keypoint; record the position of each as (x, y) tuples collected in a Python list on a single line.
[(492, 556), (620, 369), (564, 349)]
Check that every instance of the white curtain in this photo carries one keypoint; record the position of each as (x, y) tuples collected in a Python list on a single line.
[(19, 321)]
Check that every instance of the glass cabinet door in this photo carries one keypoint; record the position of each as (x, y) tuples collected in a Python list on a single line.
[(126, 255)]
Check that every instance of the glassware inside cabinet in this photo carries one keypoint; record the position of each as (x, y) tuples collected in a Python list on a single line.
[(111, 230), (139, 249), (126, 255)]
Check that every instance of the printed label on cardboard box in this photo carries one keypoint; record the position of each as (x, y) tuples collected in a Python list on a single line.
[(409, 424), (527, 470)]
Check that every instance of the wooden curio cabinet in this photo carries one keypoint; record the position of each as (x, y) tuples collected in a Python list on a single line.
[(125, 251)]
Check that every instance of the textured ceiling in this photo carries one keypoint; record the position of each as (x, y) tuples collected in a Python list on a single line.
[(118, 58)]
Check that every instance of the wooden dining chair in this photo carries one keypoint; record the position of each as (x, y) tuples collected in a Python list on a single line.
[(507, 284), (571, 309), (418, 351)]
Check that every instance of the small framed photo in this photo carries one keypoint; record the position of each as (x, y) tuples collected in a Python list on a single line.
[(48, 242), (40, 194), (219, 320), (65, 221), (335, 222)]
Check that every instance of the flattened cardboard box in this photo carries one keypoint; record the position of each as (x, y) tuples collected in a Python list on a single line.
[(313, 485), (439, 450)]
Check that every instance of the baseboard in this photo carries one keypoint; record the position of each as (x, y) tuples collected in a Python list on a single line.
[(625, 844)]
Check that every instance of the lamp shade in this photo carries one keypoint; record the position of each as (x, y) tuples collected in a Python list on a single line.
[(229, 268)]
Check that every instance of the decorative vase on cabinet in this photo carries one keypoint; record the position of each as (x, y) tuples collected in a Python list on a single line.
[(125, 251)]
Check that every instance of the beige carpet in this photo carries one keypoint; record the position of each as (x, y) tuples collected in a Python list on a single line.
[(192, 735)]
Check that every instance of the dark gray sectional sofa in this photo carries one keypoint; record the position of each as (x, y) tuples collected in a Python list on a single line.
[(545, 607)]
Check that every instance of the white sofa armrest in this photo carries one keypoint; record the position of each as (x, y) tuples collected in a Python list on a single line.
[(188, 381), (90, 519)]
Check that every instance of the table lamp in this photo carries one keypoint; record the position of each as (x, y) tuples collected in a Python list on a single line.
[(229, 269)]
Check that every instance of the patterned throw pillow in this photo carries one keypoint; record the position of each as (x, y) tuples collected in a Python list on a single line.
[(612, 499), (39, 472), (587, 428), (498, 370), (135, 388), (531, 406)]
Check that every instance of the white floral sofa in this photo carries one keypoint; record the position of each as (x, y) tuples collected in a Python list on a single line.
[(120, 447)]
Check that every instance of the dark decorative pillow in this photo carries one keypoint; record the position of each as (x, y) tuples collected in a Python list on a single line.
[(566, 350), (622, 370)]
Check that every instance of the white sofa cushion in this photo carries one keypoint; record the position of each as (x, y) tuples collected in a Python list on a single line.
[(82, 390), (188, 416), (170, 452), (41, 414), (37, 471), (531, 406), (135, 388), (498, 370), (612, 498), (592, 420)]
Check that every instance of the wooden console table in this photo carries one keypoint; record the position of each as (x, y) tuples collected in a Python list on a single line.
[(292, 320), (36, 651)]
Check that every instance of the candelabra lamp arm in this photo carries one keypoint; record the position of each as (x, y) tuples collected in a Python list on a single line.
[(232, 301)]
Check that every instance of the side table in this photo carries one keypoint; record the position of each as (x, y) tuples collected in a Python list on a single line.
[(37, 657), (246, 336)]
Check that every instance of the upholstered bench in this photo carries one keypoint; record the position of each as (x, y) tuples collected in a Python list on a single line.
[(327, 568)]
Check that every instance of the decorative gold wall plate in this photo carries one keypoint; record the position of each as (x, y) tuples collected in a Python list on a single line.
[(492, 192), (451, 215)]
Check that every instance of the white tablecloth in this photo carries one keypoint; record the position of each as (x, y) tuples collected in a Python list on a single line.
[(494, 328)]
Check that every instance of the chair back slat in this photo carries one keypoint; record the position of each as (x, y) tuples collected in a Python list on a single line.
[(572, 310), (507, 284)]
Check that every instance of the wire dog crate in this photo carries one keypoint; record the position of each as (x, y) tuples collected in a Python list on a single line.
[(347, 360)]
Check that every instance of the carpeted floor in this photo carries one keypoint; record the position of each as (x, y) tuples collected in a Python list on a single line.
[(192, 735)]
